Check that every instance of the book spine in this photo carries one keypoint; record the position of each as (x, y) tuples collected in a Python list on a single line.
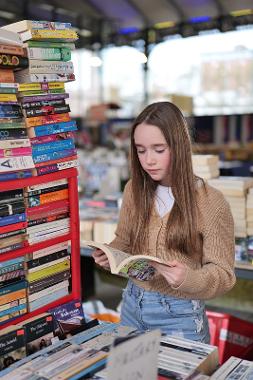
[(11, 268), (49, 54), (15, 133), (45, 190), (49, 129), (48, 271), (43, 103), (46, 208), (50, 250), (48, 291), (48, 299), (40, 86), (47, 235), (15, 175), (48, 264), (42, 34), (14, 309), (46, 110), (13, 247), (8, 98), (47, 67), (46, 259), (27, 99), (56, 161), (16, 163), (12, 261), (7, 90), (48, 197), (54, 91), (19, 143), (50, 44), (16, 194), (12, 233), (46, 185), (49, 77), (12, 123), (6, 75), (11, 49), (48, 119), (13, 288), (12, 208), (53, 155), (37, 286), (53, 146), (13, 227), (56, 167), (51, 25), (10, 61), (11, 219), (52, 138), (16, 152)]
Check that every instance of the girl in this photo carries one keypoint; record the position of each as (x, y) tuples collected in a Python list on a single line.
[(170, 213)]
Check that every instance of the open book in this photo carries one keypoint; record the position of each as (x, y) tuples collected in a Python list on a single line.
[(124, 264)]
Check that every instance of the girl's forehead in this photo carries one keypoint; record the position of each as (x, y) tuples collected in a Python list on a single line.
[(148, 132)]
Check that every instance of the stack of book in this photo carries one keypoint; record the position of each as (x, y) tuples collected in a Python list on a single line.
[(235, 190), (206, 165), (41, 92), (15, 147), (249, 212)]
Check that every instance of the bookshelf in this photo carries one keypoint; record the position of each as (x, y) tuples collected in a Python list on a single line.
[(72, 236)]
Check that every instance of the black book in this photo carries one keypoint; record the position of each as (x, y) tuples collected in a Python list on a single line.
[(12, 343), (46, 190), (12, 208), (13, 61), (46, 110), (11, 195), (44, 103), (13, 133), (47, 259), (46, 282)]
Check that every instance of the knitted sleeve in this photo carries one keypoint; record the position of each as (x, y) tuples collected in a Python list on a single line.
[(123, 230), (216, 276)]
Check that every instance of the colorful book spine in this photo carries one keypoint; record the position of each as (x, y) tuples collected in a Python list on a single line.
[(56, 167), (11, 219), (44, 34), (7, 76), (10, 61), (45, 190), (11, 49), (16, 152), (49, 54), (49, 77), (41, 199), (14, 133), (50, 129), (51, 25), (12, 288), (37, 286), (40, 86), (48, 299), (52, 289), (49, 119), (51, 138), (47, 259), (50, 44), (44, 103), (35, 276), (11, 268), (28, 99), (53, 146), (47, 67), (17, 143), (8, 98), (15, 175), (46, 110), (13, 309), (8, 90), (53, 155), (13, 247)]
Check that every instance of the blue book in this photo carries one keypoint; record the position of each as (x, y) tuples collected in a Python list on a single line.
[(13, 309), (53, 146), (50, 129), (15, 175), (48, 299), (44, 157), (12, 261), (13, 287), (12, 219), (68, 316)]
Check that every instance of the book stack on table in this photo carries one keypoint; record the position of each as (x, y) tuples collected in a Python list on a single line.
[(41, 92)]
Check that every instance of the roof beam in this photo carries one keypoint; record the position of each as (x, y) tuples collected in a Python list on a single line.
[(178, 9)]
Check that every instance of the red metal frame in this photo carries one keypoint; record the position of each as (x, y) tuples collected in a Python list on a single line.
[(73, 236)]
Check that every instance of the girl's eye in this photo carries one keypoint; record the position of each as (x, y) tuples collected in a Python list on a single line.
[(160, 151), (140, 151)]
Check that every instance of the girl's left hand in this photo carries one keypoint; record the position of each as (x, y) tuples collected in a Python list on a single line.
[(174, 272)]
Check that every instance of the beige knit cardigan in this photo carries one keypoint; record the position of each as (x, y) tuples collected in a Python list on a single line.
[(210, 270)]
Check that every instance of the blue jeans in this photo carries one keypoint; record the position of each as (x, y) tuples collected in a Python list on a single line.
[(179, 317)]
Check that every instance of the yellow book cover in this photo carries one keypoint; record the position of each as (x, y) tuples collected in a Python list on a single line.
[(43, 34), (60, 267), (40, 86)]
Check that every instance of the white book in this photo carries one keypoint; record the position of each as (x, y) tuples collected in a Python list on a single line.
[(48, 236), (47, 185), (27, 77), (17, 143), (48, 250), (47, 291), (234, 368), (24, 25), (47, 67), (48, 226), (8, 37), (49, 264), (16, 163)]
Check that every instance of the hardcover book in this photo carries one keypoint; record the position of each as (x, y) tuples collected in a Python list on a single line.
[(124, 264)]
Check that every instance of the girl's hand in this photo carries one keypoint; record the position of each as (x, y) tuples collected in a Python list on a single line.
[(101, 258), (174, 272)]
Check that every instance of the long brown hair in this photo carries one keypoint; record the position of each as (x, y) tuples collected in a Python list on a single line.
[(182, 222)]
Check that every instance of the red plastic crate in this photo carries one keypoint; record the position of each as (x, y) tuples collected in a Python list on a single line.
[(233, 336)]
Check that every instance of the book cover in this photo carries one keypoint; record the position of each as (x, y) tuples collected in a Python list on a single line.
[(48, 119), (68, 316), (12, 343), (125, 264), (38, 332), (49, 44)]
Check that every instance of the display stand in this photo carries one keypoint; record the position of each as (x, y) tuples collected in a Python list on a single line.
[(73, 236)]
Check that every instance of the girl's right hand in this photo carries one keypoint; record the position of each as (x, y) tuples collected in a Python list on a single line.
[(101, 258)]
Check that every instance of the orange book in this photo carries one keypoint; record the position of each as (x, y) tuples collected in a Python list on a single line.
[(11, 49), (13, 296), (6, 76), (48, 119)]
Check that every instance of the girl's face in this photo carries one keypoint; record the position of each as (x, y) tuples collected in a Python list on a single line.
[(153, 152)]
